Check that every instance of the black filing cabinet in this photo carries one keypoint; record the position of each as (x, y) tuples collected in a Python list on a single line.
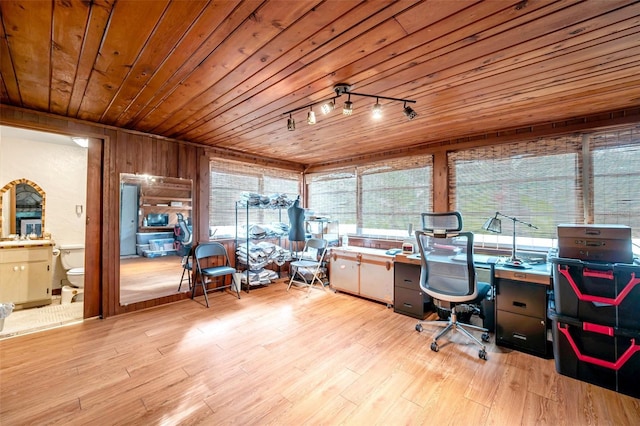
[(408, 299), (521, 311)]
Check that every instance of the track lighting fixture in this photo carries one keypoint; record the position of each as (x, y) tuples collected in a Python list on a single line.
[(377, 110), (345, 89), (311, 116), (348, 106)]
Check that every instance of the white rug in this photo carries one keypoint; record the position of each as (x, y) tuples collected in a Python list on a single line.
[(37, 319)]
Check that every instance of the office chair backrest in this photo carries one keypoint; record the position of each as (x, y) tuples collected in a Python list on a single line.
[(185, 233), (440, 223), (447, 270)]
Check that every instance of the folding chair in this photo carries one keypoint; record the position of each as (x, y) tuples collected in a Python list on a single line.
[(311, 261), (213, 253)]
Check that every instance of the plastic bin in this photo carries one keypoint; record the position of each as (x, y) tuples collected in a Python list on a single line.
[(161, 244), (140, 248), (145, 237), (158, 253), (604, 356), (601, 293)]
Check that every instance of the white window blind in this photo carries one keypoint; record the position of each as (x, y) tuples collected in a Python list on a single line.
[(334, 195), (380, 198), (535, 181), (616, 178), (395, 193), (583, 179)]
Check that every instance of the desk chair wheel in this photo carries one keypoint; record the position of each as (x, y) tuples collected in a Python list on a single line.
[(419, 328), (434, 347), (485, 337), (482, 354)]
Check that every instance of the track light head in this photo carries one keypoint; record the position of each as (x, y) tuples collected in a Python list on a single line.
[(409, 112), (328, 106), (377, 110), (311, 117), (291, 124), (348, 107)]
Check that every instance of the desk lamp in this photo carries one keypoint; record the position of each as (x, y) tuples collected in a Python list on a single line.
[(495, 225)]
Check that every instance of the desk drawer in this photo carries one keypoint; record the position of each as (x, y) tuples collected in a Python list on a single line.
[(522, 298), (522, 332), (410, 302), (407, 276)]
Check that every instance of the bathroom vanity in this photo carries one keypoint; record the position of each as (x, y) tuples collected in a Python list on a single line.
[(25, 272)]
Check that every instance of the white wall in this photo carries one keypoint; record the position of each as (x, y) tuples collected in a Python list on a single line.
[(59, 167)]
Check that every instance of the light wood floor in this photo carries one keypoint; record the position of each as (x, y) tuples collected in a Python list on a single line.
[(143, 278), (274, 357)]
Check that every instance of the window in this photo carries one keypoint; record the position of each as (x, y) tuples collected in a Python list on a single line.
[(616, 178), (230, 180), (573, 179), (379, 199)]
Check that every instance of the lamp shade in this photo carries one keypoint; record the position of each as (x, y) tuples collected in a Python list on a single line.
[(493, 225)]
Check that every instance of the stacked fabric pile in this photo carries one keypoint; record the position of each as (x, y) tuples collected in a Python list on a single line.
[(260, 231), (259, 277), (273, 201), (259, 255)]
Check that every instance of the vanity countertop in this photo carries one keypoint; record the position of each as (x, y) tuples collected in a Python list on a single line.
[(24, 243)]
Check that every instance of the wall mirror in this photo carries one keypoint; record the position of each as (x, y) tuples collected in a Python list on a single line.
[(155, 235), (22, 207)]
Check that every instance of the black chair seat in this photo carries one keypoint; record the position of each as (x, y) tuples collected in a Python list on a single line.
[(217, 271)]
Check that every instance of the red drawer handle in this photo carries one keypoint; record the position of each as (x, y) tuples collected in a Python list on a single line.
[(597, 361), (608, 275), (599, 299)]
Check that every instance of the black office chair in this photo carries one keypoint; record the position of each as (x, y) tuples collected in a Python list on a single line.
[(213, 253), (184, 239), (448, 273)]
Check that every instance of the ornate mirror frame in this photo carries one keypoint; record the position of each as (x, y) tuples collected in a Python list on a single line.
[(12, 185)]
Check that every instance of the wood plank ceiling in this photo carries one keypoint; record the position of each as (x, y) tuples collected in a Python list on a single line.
[(221, 73)]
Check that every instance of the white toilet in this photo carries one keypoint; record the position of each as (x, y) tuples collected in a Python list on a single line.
[(72, 259)]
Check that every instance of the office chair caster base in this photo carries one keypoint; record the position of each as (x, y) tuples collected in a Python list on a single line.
[(482, 354), (419, 328), (485, 337), (435, 347)]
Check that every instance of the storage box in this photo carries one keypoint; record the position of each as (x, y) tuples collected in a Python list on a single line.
[(161, 244), (604, 356), (602, 293), (140, 248), (145, 237), (158, 253), (600, 243)]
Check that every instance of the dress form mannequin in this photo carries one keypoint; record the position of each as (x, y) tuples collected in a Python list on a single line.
[(296, 223)]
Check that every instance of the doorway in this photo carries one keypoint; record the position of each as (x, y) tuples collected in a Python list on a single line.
[(128, 219), (67, 213)]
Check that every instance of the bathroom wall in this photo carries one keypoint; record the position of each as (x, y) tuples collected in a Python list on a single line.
[(59, 166)]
